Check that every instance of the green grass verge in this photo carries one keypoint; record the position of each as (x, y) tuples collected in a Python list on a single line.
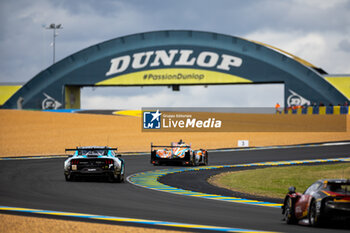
[(275, 181)]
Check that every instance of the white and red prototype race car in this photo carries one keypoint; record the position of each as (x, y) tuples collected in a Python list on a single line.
[(178, 153)]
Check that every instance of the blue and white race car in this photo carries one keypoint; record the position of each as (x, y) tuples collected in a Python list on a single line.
[(94, 161)]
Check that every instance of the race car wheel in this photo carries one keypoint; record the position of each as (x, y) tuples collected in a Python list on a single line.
[(289, 216), (314, 218), (194, 162), (206, 158), (155, 163), (116, 178), (153, 158), (68, 177), (120, 178)]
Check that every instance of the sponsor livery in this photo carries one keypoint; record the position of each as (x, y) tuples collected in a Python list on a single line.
[(94, 161), (323, 201), (179, 152), (175, 152)]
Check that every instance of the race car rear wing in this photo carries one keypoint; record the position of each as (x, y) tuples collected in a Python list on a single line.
[(171, 146), (340, 182), (92, 148)]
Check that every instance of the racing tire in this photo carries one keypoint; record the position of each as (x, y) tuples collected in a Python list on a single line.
[(289, 215), (111, 178), (155, 163), (120, 178), (187, 160), (116, 179), (193, 158), (206, 159), (153, 156), (68, 177), (314, 218)]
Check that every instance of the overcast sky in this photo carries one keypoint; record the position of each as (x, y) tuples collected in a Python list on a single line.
[(315, 30)]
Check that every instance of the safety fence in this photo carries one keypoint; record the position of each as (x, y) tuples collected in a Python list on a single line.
[(321, 110)]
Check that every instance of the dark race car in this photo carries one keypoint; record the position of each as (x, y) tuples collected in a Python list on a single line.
[(94, 161), (178, 153), (323, 201)]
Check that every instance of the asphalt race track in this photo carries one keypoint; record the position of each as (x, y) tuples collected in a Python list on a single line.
[(40, 184)]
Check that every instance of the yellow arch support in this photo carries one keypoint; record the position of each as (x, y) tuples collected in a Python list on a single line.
[(7, 91), (342, 83)]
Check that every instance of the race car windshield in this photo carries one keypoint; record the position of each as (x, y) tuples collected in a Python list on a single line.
[(339, 188)]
